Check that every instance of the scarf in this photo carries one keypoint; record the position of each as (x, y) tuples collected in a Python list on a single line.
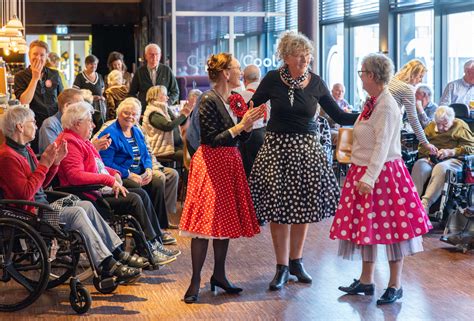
[(294, 83), (368, 108)]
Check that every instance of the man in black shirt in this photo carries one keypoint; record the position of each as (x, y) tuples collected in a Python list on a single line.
[(38, 86), (153, 74)]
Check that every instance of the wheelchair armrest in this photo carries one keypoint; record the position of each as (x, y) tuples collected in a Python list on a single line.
[(27, 203), (55, 195), (78, 188), (466, 158)]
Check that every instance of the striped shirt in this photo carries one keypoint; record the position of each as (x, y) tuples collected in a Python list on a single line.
[(404, 95), (457, 91), (135, 168)]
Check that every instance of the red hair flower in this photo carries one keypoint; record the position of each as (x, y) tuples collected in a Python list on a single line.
[(238, 105)]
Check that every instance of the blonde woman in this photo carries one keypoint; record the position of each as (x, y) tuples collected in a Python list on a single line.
[(162, 126), (402, 88)]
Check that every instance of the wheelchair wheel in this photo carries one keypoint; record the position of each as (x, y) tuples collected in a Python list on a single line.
[(24, 265), (81, 303), (62, 267)]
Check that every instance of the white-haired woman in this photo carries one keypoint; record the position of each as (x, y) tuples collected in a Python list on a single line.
[(161, 126), (128, 154), (84, 166), (453, 138), (115, 93), (23, 177), (292, 183), (379, 204)]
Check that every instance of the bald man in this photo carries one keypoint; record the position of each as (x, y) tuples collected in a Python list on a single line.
[(153, 74), (250, 148)]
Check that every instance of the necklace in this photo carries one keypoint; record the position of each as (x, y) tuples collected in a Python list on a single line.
[(220, 96)]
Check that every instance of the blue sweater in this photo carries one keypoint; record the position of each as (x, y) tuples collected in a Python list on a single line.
[(120, 154)]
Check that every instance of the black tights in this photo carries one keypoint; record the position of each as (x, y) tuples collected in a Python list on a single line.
[(198, 256)]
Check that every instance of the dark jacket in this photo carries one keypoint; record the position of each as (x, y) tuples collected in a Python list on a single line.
[(141, 82), (214, 121)]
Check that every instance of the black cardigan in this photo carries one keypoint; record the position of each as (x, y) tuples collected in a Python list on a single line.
[(215, 122)]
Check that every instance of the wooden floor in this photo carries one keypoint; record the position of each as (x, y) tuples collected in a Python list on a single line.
[(438, 285)]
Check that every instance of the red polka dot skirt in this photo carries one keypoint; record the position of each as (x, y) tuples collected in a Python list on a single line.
[(390, 214), (218, 202)]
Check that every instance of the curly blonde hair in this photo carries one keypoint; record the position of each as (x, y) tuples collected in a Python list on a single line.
[(292, 42), (217, 63), (411, 70)]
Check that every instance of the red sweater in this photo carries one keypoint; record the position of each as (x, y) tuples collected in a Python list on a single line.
[(17, 181), (79, 166)]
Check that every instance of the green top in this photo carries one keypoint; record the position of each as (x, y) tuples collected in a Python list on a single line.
[(459, 137)]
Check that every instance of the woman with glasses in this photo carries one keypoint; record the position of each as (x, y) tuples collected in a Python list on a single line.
[(291, 181), (128, 154), (402, 88), (379, 203), (218, 204)]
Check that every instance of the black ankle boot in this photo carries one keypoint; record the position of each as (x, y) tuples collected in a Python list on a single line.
[(281, 277), (297, 269)]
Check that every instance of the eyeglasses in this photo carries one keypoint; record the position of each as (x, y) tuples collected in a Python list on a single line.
[(239, 67), (31, 121), (129, 113), (360, 72)]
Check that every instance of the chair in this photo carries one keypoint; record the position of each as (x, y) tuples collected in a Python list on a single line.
[(462, 111), (343, 150)]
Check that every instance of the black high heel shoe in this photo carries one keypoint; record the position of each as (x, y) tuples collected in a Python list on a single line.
[(356, 287), (191, 298), (229, 288)]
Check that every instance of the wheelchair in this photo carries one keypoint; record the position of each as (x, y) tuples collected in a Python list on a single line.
[(30, 261), (409, 148), (126, 227)]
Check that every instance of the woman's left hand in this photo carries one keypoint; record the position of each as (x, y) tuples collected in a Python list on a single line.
[(446, 153), (147, 176), (363, 188), (432, 148)]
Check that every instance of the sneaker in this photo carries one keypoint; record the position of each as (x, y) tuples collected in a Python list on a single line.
[(161, 258), (168, 239), (171, 253)]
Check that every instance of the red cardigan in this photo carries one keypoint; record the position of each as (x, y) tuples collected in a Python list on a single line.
[(17, 181), (79, 166)]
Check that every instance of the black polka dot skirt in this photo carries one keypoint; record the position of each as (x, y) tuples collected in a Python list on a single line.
[(291, 180)]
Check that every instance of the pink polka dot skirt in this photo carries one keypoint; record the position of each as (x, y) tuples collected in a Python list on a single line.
[(390, 214), (218, 202)]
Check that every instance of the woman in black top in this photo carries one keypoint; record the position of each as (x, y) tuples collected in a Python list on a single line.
[(291, 182), (90, 79), (218, 203)]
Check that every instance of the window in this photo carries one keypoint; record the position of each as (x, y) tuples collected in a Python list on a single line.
[(415, 37), (459, 43), (366, 40), (333, 54)]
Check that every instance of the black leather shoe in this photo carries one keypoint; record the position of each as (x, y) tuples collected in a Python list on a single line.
[(281, 277), (297, 269), (229, 287), (357, 287), (391, 295)]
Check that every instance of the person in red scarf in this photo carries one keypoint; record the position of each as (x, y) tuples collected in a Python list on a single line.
[(218, 204), (379, 203)]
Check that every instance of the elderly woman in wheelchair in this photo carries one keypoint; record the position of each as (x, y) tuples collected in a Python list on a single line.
[(453, 138), (23, 178), (83, 166)]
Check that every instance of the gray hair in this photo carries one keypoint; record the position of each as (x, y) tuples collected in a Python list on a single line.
[(115, 78), (150, 45), (444, 113), (14, 116), (76, 112), (252, 73), (469, 64), (292, 42), (194, 92), (380, 65), (130, 102), (425, 89)]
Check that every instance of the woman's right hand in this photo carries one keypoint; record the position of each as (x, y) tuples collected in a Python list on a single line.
[(49, 155), (252, 115), (119, 189), (136, 178)]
